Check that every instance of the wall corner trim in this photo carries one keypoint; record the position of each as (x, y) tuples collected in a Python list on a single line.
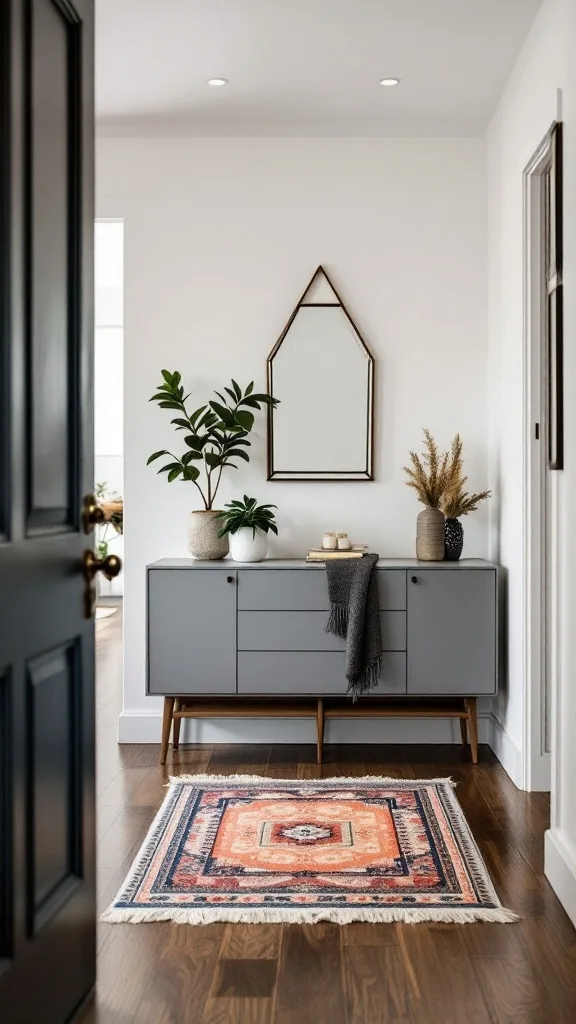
[(560, 869), (510, 756)]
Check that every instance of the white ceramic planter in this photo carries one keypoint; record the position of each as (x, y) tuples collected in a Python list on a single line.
[(248, 545), (203, 540)]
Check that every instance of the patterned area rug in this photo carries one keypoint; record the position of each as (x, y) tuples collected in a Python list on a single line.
[(244, 848)]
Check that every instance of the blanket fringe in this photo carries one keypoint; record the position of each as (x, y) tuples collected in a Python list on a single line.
[(368, 680), (449, 915), (338, 620)]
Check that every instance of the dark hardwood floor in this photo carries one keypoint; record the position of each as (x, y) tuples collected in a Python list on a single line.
[(360, 974)]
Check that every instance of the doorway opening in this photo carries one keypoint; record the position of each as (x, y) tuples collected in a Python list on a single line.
[(543, 448), (108, 402), (108, 479)]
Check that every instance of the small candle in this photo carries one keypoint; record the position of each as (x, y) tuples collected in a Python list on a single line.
[(329, 541)]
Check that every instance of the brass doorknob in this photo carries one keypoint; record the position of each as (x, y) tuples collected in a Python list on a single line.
[(110, 566), (92, 513)]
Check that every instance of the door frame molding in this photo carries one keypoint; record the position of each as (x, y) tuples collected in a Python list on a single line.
[(539, 691)]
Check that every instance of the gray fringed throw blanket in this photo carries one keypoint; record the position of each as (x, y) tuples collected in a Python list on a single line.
[(354, 614)]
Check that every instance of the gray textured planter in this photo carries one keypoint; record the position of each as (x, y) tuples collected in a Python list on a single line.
[(203, 540), (430, 535)]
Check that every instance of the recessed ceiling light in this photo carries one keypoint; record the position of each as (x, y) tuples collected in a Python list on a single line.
[(389, 81), (217, 81)]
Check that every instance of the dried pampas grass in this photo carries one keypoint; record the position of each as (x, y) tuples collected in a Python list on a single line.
[(439, 480)]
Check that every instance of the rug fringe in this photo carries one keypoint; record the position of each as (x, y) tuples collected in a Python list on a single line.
[(115, 915), (377, 779)]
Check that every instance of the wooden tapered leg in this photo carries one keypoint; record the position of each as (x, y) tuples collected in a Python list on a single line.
[(320, 729), (470, 705), (166, 724), (463, 732), (176, 726)]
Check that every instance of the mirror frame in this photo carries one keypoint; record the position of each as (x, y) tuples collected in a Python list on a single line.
[(342, 476)]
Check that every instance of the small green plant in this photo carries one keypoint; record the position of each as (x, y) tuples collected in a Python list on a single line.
[(216, 433), (238, 515)]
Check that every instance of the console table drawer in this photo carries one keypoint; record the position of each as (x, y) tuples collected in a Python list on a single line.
[(305, 631), (312, 672), (307, 590)]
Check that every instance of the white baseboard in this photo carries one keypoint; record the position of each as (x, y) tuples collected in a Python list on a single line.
[(560, 869), (540, 779), (141, 726), (509, 755)]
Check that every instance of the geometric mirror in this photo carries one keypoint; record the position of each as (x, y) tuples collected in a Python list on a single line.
[(322, 372)]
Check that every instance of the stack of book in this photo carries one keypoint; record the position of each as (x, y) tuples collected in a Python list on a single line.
[(325, 554)]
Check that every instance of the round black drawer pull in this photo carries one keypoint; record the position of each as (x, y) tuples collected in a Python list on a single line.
[(229, 579), (414, 579)]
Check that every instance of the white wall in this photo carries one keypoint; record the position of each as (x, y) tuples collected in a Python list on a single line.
[(221, 236), (541, 89), (530, 104)]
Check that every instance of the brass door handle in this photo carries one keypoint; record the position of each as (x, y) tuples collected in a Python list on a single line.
[(110, 566), (92, 513)]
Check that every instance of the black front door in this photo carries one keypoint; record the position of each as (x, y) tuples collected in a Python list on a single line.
[(47, 907)]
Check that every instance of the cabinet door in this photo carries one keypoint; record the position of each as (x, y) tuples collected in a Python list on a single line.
[(191, 631), (451, 645)]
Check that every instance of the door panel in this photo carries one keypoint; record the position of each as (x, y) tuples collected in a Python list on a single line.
[(54, 818), (191, 631), (53, 162), (47, 871), (6, 890), (451, 645)]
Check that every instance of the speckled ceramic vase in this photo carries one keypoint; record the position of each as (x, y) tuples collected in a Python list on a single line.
[(203, 540), (430, 535), (453, 540)]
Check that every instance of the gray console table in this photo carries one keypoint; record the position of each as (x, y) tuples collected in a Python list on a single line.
[(229, 638)]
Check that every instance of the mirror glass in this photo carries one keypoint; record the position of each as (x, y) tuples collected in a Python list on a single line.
[(322, 373)]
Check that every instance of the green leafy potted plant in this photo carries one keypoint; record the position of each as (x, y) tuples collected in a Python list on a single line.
[(215, 435), (247, 524)]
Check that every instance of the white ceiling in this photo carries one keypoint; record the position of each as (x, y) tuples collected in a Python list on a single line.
[(304, 67)]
